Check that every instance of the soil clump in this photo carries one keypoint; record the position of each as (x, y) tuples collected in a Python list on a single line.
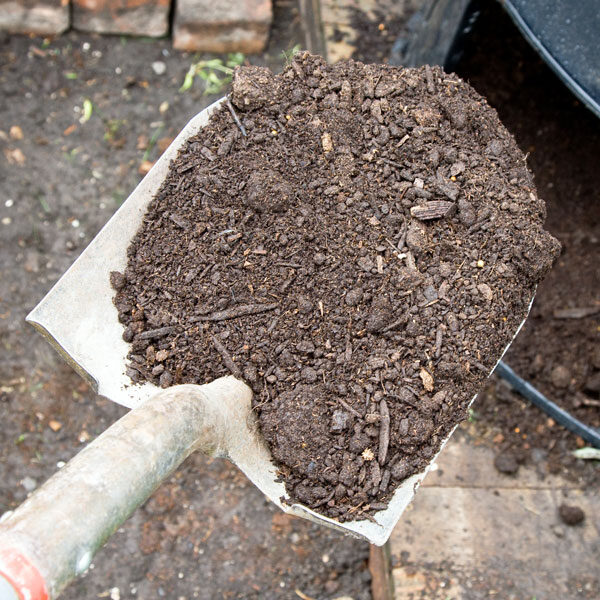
[(359, 244)]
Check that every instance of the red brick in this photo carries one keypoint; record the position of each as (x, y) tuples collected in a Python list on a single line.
[(222, 25), (43, 17), (137, 17)]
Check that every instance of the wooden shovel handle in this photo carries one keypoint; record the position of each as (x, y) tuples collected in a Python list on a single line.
[(52, 537)]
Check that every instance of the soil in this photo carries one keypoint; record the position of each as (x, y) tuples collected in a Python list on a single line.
[(557, 350), (362, 258)]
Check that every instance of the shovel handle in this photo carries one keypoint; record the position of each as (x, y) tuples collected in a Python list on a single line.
[(52, 537)]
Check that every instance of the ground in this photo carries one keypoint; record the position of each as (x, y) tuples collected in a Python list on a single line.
[(207, 533)]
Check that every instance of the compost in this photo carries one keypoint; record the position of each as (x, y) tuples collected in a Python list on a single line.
[(359, 243)]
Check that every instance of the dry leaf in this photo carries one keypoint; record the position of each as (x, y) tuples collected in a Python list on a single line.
[(427, 379), (54, 425), (326, 142)]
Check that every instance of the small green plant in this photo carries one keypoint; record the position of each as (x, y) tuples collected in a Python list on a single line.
[(473, 416), (288, 55), (112, 128), (215, 72)]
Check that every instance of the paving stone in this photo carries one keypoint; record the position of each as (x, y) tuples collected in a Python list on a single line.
[(42, 17), (472, 532), (225, 26), (135, 17)]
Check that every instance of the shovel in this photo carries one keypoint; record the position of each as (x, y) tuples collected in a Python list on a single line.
[(52, 537)]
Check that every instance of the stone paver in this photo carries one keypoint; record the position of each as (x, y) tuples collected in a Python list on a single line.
[(224, 26), (137, 17), (473, 533), (42, 17)]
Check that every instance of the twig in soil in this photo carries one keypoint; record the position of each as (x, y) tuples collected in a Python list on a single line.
[(439, 335), (433, 209), (227, 360), (393, 325), (349, 408), (429, 78), (235, 117), (237, 311), (152, 334), (384, 431)]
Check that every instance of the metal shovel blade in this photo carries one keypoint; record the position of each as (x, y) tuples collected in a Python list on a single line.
[(79, 319)]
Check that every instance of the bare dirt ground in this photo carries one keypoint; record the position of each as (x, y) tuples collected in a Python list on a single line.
[(207, 533)]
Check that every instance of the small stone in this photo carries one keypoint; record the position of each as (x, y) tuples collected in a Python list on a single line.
[(165, 380), (571, 515), (29, 483), (558, 531), (161, 355), (339, 420), (506, 463), (560, 376), (159, 67), (486, 291), (319, 258), (592, 383), (157, 370)]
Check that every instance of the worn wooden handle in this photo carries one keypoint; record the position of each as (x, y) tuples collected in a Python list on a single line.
[(52, 537)]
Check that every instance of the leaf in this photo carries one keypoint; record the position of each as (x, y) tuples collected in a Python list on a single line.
[(189, 79), (88, 109), (71, 75), (587, 453)]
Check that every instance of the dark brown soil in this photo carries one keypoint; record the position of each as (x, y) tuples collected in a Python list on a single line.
[(556, 354), (361, 258)]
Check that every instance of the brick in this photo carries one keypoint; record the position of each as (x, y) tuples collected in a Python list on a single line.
[(42, 17), (136, 17), (222, 26)]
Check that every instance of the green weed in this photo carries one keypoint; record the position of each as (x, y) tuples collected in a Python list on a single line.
[(215, 72)]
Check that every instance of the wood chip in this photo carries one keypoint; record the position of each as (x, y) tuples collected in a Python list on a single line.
[(427, 379), (326, 142), (434, 209), (384, 432)]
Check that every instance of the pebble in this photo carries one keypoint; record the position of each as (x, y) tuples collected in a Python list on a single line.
[(558, 531), (560, 376), (592, 384), (159, 67), (29, 483), (506, 463), (339, 420), (319, 258), (570, 515)]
